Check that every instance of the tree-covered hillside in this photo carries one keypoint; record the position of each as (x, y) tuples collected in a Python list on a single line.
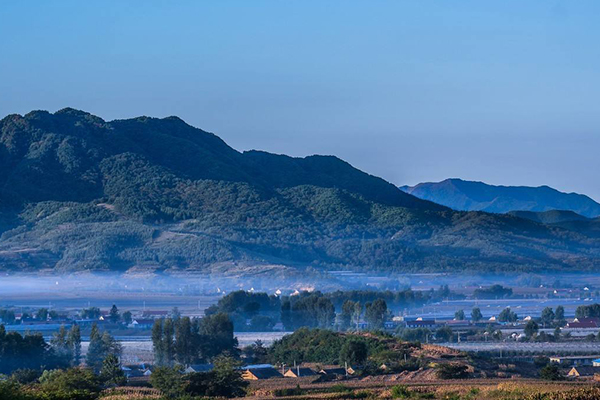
[(77, 192)]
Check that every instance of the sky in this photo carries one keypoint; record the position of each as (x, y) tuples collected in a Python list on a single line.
[(505, 92)]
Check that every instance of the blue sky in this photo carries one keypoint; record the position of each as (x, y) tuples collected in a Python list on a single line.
[(506, 92)]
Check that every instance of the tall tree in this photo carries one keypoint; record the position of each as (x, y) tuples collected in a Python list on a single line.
[(375, 313), (346, 315), (547, 316), (559, 315), (95, 354), (358, 310), (459, 315), (158, 344), (114, 315), (101, 345), (186, 351), (168, 345), (42, 314), (74, 341), (61, 345), (111, 373), (476, 315), (126, 316), (218, 331), (531, 328)]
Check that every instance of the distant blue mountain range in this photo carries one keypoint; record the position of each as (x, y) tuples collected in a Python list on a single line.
[(478, 196)]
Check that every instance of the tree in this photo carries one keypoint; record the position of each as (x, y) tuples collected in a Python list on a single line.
[(531, 328), (547, 316), (459, 315), (375, 313), (286, 315), (73, 383), (476, 315), (127, 317), (169, 380), (358, 309), (557, 334), (228, 380), (91, 313), (550, 372), (101, 345), (444, 334), (185, 346), (157, 343), (111, 373), (42, 314), (74, 342), (354, 352), (168, 343), (559, 315), (507, 315), (95, 349), (261, 323), (62, 347), (217, 331), (114, 315), (346, 315), (256, 353)]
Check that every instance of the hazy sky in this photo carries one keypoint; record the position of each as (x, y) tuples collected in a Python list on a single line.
[(507, 92)]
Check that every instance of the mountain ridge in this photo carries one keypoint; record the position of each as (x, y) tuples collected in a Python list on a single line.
[(80, 193), (464, 195)]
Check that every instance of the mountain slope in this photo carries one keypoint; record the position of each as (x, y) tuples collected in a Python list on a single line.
[(478, 196), (81, 193), (549, 217)]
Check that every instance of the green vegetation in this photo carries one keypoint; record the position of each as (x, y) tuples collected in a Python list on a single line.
[(188, 341), (223, 381), (493, 292), (161, 193)]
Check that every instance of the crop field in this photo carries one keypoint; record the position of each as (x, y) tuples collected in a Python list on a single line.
[(399, 387)]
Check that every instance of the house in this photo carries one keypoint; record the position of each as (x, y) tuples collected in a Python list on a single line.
[(199, 368), (255, 374), (337, 371), (574, 360), (458, 323), (596, 362), (141, 323), (582, 371), (584, 323), (299, 372), (421, 323), (340, 371)]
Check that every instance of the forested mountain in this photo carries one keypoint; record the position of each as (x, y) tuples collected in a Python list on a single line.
[(81, 193), (478, 196), (550, 217)]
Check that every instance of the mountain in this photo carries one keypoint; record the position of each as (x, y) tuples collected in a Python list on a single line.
[(146, 194), (550, 217), (478, 196)]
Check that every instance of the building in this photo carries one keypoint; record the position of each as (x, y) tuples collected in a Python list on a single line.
[(337, 371), (421, 323), (255, 374), (299, 372), (584, 323), (141, 323), (199, 368), (574, 360), (583, 371)]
